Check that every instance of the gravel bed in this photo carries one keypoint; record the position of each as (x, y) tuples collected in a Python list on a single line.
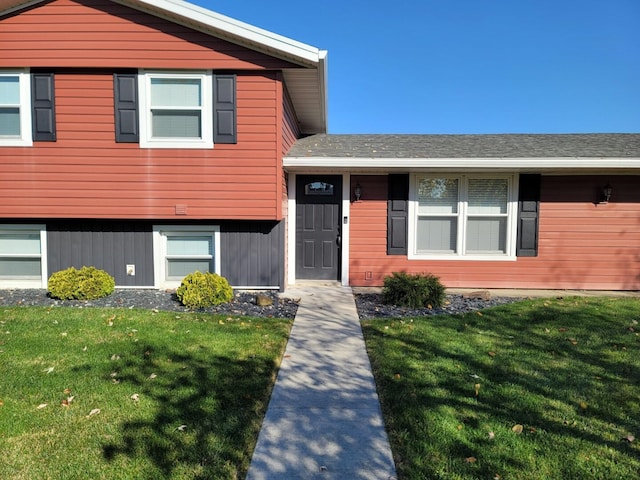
[(244, 303), (369, 305)]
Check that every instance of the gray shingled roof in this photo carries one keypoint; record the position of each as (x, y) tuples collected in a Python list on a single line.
[(468, 146)]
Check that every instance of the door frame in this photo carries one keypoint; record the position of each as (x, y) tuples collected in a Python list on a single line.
[(291, 226)]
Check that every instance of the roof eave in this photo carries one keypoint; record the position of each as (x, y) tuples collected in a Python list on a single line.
[(552, 164), (230, 29), (312, 115), (239, 33)]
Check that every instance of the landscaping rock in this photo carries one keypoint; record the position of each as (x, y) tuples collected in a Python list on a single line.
[(370, 306), (263, 300), (243, 303), (479, 295)]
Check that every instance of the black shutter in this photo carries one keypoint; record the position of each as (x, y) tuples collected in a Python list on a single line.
[(397, 214), (125, 87), (43, 117), (528, 216), (224, 109)]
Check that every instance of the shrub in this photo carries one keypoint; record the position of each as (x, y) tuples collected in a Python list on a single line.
[(88, 283), (415, 291), (200, 290)]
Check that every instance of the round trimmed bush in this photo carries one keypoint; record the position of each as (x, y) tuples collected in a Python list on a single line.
[(88, 283), (201, 290), (415, 291)]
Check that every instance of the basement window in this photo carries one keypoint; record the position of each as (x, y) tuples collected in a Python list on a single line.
[(22, 262), (183, 249)]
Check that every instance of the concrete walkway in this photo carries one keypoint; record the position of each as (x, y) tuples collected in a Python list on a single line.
[(324, 419)]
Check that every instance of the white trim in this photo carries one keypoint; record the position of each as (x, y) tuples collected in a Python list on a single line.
[(291, 233), (512, 222), (42, 282), (346, 230), (160, 249), (227, 27), (206, 109), (323, 76), (211, 22), (466, 164), (24, 84)]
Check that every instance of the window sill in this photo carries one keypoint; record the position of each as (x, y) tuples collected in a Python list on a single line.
[(16, 142), (468, 258), (203, 145), (7, 283)]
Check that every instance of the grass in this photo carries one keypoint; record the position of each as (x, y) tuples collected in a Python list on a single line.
[(132, 394), (535, 389)]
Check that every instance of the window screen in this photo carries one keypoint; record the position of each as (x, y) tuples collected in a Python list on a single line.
[(9, 106)]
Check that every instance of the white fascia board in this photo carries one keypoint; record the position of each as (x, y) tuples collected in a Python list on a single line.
[(194, 14), (232, 28), (478, 164), (323, 77)]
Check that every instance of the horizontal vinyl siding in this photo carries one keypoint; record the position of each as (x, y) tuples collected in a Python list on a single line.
[(582, 245), (85, 174), (100, 33), (290, 127)]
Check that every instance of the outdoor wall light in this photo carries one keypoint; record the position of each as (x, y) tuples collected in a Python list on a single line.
[(357, 192), (607, 190)]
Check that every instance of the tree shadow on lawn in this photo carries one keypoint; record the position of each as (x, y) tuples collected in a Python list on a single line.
[(553, 384), (203, 412)]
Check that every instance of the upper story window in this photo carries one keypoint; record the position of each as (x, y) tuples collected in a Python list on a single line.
[(176, 110), (15, 109), (463, 216)]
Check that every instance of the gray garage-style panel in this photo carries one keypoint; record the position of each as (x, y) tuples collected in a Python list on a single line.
[(110, 246)]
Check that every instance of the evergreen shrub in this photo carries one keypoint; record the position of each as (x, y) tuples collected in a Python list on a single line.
[(201, 290), (414, 291), (88, 283)]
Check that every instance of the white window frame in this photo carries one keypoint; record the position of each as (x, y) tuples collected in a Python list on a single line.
[(160, 233), (25, 281), (463, 215), (26, 138), (206, 119)]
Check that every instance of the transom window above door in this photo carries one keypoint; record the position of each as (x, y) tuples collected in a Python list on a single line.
[(319, 188), (462, 216)]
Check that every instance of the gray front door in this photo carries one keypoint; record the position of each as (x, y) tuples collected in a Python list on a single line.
[(318, 226)]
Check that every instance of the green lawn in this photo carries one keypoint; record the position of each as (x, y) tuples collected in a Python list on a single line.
[(536, 389), (132, 394)]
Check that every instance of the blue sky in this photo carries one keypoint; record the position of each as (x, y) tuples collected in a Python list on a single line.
[(467, 66)]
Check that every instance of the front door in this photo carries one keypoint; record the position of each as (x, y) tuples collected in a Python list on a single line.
[(318, 226)]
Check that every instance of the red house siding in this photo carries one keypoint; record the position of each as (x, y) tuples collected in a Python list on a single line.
[(85, 174), (98, 33), (582, 245), (290, 127)]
